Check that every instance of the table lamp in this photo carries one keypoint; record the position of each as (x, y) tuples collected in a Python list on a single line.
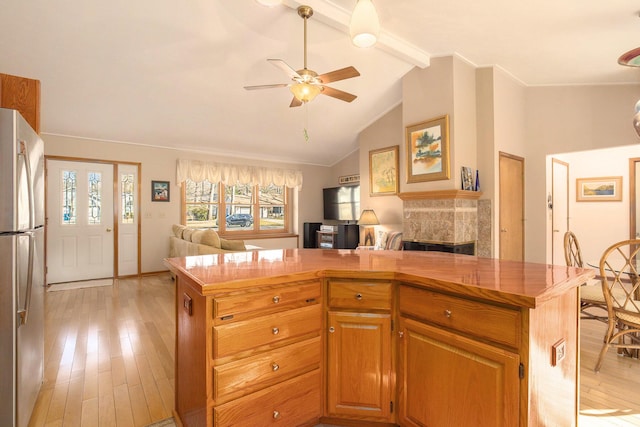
[(368, 217)]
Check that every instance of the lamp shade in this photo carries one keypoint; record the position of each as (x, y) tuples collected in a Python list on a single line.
[(364, 26), (305, 92), (368, 217)]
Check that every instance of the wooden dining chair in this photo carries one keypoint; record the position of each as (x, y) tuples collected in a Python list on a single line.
[(620, 284), (592, 302)]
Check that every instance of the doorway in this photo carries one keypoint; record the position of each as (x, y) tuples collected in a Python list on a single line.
[(93, 226), (559, 205), (511, 216)]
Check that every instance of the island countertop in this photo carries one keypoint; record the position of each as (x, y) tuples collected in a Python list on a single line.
[(517, 283)]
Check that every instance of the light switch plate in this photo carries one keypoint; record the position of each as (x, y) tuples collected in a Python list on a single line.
[(558, 351)]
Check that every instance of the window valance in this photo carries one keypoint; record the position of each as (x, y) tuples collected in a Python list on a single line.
[(197, 170)]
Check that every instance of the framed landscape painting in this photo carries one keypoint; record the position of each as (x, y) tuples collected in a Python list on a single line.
[(160, 191), (428, 150), (602, 189), (383, 171)]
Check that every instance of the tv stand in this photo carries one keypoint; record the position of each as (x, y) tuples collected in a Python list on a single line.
[(346, 236)]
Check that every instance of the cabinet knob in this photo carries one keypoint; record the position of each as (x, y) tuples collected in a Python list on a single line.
[(359, 297), (275, 299), (447, 313), (332, 329), (275, 331), (401, 334), (276, 415), (275, 366)]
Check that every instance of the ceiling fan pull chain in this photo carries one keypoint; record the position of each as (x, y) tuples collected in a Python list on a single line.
[(306, 121)]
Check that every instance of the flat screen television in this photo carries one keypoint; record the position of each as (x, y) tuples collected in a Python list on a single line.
[(341, 203)]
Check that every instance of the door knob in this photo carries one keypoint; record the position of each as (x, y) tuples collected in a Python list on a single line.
[(503, 230), (108, 230)]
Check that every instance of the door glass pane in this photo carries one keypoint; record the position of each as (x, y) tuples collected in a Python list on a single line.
[(239, 200), (69, 197), (272, 202), (201, 204), (127, 187), (95, 193)]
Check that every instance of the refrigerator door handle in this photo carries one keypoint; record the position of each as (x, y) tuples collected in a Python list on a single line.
[(24, 154), (23, 313)]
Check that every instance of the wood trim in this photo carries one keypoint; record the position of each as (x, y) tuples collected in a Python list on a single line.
[(441, 194), (632, 197), (116, 223)]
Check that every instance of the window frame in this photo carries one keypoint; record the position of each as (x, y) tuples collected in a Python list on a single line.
[(255, 208)]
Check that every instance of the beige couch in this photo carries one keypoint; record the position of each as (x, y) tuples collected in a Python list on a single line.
[(187, 241)]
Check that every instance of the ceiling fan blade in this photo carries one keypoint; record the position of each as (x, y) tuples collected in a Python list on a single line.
[(295, 102), (631, 58), (266, 86), (334, 76), (338, 94), (285, 67)]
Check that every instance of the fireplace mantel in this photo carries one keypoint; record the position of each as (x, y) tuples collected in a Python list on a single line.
[(441, 194)]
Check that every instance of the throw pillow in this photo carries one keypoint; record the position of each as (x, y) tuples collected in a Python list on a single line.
[(177, 230), (232, 245), (381, 241), (206, 237), (187, 233)]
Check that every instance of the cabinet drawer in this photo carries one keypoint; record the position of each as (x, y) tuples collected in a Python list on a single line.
[(483, 320), (291, 403), (265, 299), (369, 295), (247, 334), (250, 374)]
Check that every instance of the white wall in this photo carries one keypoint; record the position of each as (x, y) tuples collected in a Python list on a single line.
[(597, 225), (160, 164)]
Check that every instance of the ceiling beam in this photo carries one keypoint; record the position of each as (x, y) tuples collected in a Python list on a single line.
[(337, 17)]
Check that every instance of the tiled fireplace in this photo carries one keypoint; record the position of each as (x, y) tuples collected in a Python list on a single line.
[(446, 219)]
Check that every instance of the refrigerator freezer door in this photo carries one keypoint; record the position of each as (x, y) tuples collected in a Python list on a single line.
[(22, 174)]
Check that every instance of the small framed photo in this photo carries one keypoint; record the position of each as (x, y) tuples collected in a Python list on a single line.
[(383, 171), (428, 150), (602, 189), (160, 191), (467, 178)]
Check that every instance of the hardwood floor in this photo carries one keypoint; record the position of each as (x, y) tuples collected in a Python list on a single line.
[(109, 361)]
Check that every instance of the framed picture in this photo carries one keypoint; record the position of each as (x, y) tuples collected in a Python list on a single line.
[(467, 178), (602, 189), (383, 171), (160, 191), (428, 150)]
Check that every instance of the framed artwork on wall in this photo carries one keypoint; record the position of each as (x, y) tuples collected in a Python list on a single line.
[(428, 150), (383, 171), (601, 189), (160, 191)]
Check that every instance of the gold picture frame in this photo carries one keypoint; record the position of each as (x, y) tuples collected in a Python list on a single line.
[(383, 171), (599, 189), (428, 150)]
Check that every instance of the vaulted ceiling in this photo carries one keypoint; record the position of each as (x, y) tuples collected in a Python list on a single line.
[(171, 74)]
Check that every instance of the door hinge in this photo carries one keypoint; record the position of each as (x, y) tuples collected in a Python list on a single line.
[(392, 326), (521, 371), (391, 406)]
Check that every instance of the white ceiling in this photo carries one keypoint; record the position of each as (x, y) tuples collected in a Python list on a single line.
[(169, 73)]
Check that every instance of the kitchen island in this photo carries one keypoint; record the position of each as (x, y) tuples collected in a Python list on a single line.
[(300, 336)]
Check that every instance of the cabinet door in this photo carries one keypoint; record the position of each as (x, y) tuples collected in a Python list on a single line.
[(359, 365), (449, 380)]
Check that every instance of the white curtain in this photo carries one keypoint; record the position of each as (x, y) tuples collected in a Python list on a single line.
[(196, 170)]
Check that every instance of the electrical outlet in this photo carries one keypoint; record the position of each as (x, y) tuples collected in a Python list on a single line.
[(558, 351), (147, 215)]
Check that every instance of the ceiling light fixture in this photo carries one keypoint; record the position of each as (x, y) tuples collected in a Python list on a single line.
[(305, 92), (364, 26), (269, 3)]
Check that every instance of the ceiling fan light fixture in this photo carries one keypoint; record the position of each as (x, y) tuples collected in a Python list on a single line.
[(631, 58), (269, 3), (305, 92), (364, 26)]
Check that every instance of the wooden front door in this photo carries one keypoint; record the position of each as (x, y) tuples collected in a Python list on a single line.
[(511, 207)]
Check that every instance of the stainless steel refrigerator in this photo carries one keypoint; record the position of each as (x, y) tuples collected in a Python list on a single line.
[(21, 268)]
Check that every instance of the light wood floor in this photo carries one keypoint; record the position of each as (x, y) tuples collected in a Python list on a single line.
[(109, 361)]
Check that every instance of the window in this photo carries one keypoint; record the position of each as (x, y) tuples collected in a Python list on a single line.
[(240, 208)]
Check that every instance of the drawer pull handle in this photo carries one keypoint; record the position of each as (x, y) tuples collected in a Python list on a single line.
[(276, 415), (447, 313), (332, 329), (275, 366), (275, 331), (359, 297), (276, 299)]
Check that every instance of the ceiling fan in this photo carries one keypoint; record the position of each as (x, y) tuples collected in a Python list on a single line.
[(306, 84)]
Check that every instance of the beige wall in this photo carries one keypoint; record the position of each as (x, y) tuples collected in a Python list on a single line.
[(160, 164)]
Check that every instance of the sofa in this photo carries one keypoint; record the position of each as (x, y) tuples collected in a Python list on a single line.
[(186, 241), (386, 241)]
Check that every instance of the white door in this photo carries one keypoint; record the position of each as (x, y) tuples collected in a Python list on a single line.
[(560, 209), (79, 221), (127, 220)]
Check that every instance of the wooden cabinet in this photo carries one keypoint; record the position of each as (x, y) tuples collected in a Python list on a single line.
[(359, 351), (22, 94)]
